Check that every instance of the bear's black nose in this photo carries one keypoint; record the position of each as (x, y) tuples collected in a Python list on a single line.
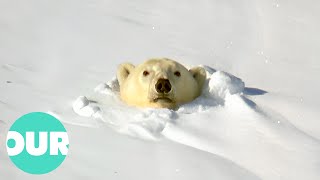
[(163, 86)]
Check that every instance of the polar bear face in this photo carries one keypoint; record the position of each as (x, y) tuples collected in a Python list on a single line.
[(159, 83)]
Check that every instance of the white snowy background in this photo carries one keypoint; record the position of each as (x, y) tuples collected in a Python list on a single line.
[(54, 53)]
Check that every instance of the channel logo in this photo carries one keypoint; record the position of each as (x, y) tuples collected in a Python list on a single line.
[(37, 143)]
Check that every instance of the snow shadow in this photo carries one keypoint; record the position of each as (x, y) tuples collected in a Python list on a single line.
[(254, 91)]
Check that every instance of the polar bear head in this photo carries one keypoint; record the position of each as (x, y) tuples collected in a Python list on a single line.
[(159, 83)]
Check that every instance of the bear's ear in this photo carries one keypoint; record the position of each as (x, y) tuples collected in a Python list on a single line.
[(123, 72), (199, 74)]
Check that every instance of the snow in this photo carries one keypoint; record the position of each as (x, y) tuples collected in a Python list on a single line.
[(148, 123), (257, 117)]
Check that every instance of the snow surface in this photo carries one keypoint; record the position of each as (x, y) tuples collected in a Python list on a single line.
[(258, 116)]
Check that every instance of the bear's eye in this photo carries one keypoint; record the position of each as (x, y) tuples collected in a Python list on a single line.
[(177, 73), (146, 73)]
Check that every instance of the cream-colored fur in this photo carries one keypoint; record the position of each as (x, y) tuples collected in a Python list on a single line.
[(138, 84)]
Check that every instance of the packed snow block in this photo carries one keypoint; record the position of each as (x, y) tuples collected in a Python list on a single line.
[(220, 83), (110, 87), (83, 107)]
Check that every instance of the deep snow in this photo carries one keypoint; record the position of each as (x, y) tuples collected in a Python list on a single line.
[(105, 107), (52, 52)]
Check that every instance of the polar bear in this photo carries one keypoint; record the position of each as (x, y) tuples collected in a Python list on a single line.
[(159, 83)]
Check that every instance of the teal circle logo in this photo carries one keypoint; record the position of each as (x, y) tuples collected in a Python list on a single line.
[(37, 143)]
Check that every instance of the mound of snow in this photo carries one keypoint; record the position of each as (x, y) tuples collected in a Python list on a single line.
[(223, 121), (105, 105), (222, 83)]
